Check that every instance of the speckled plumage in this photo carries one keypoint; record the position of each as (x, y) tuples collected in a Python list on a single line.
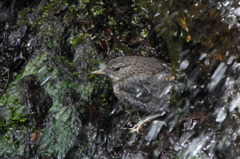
[(141, 82)]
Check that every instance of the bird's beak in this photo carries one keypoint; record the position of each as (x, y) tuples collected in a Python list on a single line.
[(99, 72)]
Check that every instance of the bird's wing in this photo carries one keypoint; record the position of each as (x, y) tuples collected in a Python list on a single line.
[(143, 88), (134, 89)]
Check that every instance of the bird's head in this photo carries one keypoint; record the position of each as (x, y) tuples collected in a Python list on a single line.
[(122, 67), (116, 69)]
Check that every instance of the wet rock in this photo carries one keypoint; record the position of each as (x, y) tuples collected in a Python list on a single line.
[(34, 97)]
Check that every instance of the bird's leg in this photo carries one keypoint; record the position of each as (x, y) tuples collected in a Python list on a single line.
[(138, 116), (138, 126)]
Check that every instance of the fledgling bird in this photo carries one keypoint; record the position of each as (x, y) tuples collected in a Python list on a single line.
[(141, 82)]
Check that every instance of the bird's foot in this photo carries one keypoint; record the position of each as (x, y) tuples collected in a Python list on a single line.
[(137, 127)]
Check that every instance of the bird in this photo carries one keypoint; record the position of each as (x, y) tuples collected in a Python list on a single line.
[(140, 82)]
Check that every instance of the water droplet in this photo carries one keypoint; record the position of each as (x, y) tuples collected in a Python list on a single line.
[(217, 76), (235, 102), (221, 115), (184, 64), (156, 127), (202, 56)]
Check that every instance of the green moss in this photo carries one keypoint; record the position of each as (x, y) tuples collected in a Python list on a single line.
[(135, 20), (97, 10), (76, 40), (60, 58), (43, 74), (83, 4), (73, 8), (64, 124), (144, 33), (33, 66), (12, 145), (74, 74), (56, 73), (122, 49), (85, 1), (3, 125), (12, 99), (16, 112), (64, 127), (112, 20), (73, 85)]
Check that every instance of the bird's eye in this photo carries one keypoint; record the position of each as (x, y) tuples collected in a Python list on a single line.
[(117, 69)]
